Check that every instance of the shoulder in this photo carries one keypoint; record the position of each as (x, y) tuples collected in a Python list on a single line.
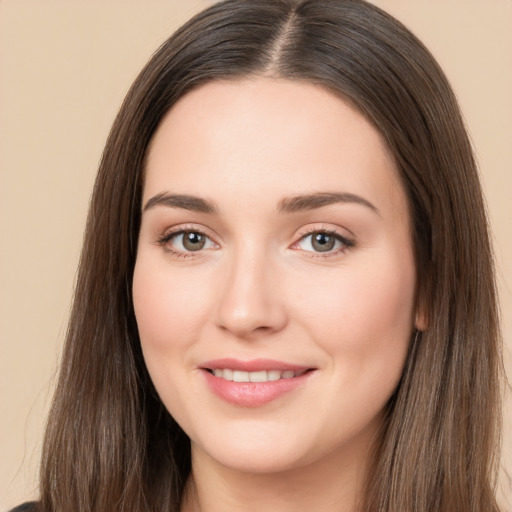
[(30, 506)]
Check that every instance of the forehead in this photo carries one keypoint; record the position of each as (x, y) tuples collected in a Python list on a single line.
[(267, 138)]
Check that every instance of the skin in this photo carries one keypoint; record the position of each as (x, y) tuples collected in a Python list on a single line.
[(259, 288)]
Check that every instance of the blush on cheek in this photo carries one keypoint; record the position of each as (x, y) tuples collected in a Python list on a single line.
[(163, 307), (370, 311)]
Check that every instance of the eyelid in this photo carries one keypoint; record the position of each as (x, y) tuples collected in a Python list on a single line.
[(180, 228), (323, 227)]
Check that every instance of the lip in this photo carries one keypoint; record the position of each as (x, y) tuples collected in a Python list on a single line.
[(253, 394), (255, 365)]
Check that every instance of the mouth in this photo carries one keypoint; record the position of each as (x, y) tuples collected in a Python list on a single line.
[(253, 383), (232, 375)]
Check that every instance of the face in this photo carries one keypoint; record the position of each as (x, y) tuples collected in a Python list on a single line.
[(274, 284)]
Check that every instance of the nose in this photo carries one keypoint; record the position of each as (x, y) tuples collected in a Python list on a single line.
[(251, 303)]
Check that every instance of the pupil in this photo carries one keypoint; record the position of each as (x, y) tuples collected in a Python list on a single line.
[(323, 242), (193, 241)]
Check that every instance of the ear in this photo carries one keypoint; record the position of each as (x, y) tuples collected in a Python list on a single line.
[(421, 317)]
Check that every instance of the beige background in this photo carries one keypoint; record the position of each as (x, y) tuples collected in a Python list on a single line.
[(64, 69)]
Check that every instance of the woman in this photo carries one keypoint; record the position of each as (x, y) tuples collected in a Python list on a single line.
[(286, 293)]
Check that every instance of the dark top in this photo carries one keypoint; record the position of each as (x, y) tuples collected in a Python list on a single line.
[(30, 506)]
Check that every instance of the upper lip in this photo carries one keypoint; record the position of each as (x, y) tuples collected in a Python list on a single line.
[(254, 365)]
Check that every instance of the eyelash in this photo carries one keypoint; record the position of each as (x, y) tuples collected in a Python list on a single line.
[(169, 235)]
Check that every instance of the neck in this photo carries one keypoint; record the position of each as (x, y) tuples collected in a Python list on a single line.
[(332, 484)]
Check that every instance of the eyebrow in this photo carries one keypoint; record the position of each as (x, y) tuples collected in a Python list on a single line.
[(313, 201), (187, 202), (292, 204)]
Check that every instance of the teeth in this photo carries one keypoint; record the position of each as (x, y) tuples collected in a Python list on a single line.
[(239, 376), (260, 376), (273, 375)]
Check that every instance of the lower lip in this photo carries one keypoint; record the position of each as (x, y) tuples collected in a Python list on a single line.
[(253, 394)]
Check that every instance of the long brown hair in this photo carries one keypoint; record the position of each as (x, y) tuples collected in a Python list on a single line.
[(110, 443)]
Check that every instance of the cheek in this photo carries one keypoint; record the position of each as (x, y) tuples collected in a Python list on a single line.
[(169, 312), (363, 323), (168, 309), (364, 318)]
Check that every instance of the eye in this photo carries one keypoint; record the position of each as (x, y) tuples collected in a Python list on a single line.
[(186, 241), (322, 241)]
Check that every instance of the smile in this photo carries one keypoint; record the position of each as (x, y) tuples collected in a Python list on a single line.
[(253, 383), (258, 376)]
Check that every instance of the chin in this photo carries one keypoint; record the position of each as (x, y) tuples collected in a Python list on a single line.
[(251, 451), (257, 461)]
